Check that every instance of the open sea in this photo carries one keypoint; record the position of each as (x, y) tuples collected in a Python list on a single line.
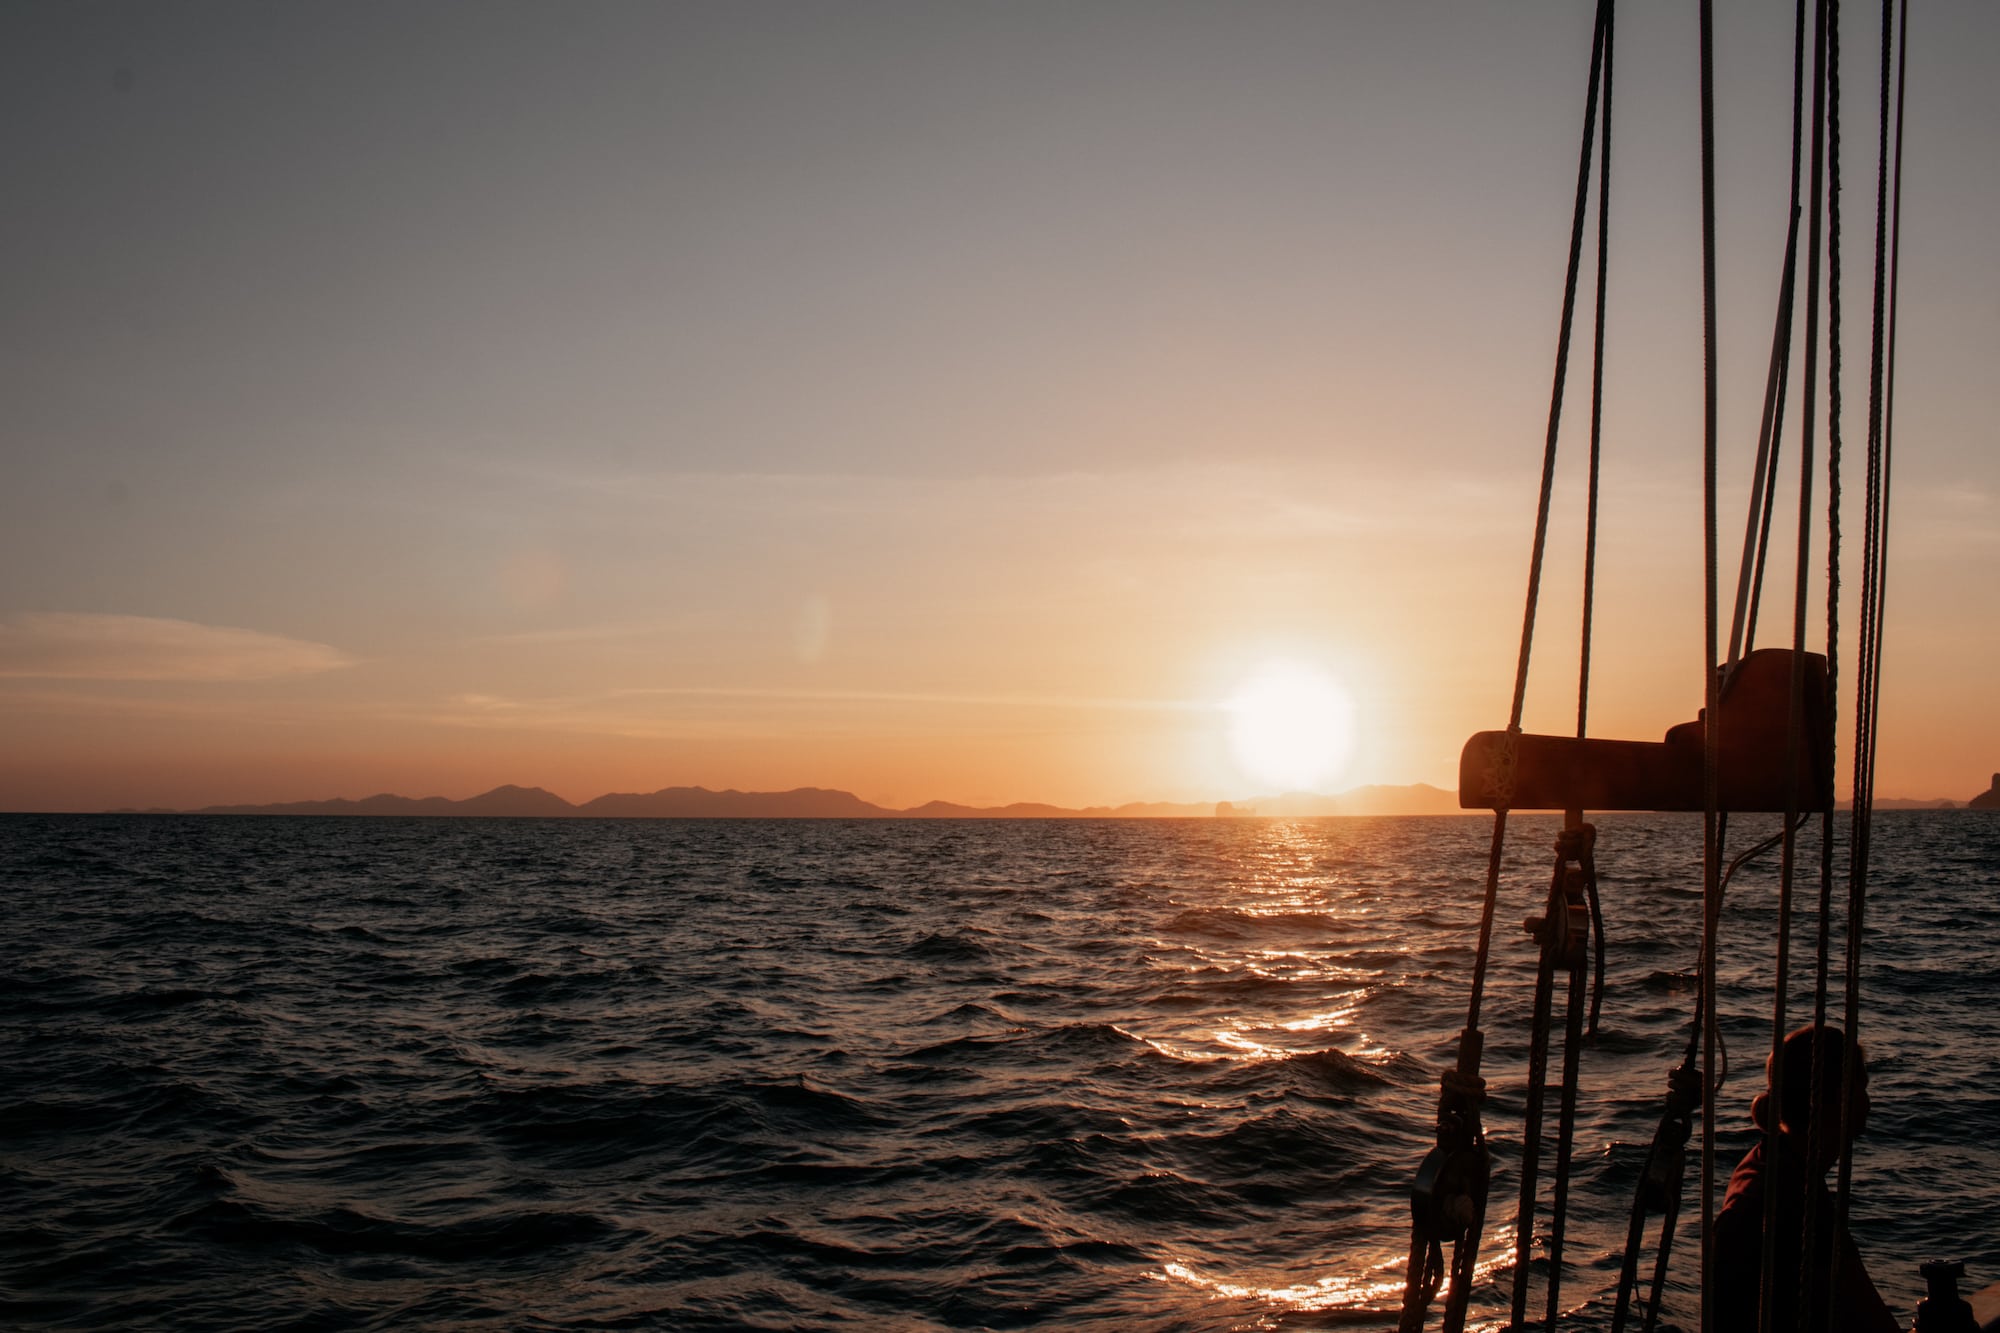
[(262, 1073)]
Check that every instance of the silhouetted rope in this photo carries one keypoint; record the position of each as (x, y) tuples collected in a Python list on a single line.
[(1461, 1089), (1881, 393), (1562, 368), (1596, 416), (1833, 477), (1819, 1128), (1776, 407), (1590, 501), (1547, 486), (1711, 852), (1764, 474), (1774, 1145)]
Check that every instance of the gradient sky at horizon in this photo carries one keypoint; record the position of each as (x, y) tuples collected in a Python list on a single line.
[(932, 401)]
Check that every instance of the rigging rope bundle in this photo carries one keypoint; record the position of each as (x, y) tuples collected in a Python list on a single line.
[(1448, 1199)]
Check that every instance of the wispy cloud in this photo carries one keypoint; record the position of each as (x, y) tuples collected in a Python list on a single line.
[(73, 645), (691, 712), (913, 697), (609, 632)]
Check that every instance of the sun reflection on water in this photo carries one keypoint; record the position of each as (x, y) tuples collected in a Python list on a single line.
[(1285, 956), (1372, 1293), (1378, 1290), (1338, 1017)]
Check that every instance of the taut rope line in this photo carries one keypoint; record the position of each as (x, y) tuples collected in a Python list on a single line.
[(1881, 409), (1821, 968), (1711, 850), (1795, 727), (1450, 1195)]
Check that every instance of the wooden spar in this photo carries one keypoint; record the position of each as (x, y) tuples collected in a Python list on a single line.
[(1514, 771)]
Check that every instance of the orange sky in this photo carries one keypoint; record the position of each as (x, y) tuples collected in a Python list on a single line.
[(932, 405)]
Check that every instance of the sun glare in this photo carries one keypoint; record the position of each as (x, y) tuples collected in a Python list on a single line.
[(1291, 727)]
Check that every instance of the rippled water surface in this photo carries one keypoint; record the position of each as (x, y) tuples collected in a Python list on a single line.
[(682, 1074)]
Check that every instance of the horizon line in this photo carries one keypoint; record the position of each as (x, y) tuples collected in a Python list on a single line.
[(548, 804)]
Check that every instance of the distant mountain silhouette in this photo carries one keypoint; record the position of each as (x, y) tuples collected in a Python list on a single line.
[(1900, 803), (1037, 810), (512, 802), (701, 803), (507, 802), (821, 803)]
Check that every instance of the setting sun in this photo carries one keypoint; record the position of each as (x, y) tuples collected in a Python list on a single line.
[(1292, 726)]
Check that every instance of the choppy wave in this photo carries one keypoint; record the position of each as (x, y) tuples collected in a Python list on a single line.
[(1159, 1075)]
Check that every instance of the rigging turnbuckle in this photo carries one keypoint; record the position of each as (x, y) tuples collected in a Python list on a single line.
[(1564, 933), (1659, 1191), (1448, 1198)]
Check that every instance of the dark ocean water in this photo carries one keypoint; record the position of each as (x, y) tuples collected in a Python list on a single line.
[(318, 1073)]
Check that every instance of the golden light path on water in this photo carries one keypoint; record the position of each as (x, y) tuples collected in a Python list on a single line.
[(1367, 1296), (1377, 1292), (1288, 878)]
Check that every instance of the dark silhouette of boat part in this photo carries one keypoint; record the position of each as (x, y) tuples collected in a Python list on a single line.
[(1762, 742)]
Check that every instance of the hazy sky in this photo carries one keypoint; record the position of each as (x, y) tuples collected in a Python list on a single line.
[(931, 400)]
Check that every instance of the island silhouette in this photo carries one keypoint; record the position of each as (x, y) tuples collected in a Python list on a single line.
[(514, 802)]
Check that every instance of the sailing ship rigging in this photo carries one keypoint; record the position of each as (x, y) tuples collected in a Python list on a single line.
[(1763, 743)]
